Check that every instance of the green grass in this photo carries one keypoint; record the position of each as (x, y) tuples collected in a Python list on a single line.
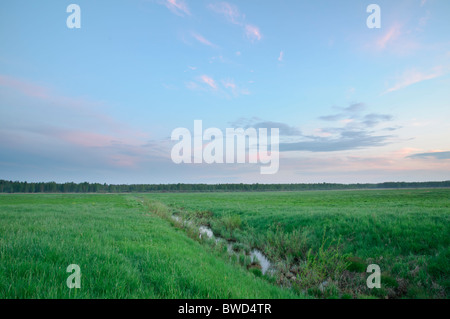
[(128, 246), (405, 232), (123, 250)]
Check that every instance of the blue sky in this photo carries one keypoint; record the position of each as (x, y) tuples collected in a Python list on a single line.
[(99, 103)]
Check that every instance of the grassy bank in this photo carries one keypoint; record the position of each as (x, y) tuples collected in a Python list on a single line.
[(332, 236)]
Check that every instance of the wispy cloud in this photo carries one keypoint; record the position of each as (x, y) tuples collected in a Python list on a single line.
[(332, 117), (424, 20), (178, 7), (67, 128), (209, 81), (229, 84), (397, 39), (203, 40), (24, 87), (284, 128), (191, 85), (257, 123), (232, 87), (355, 131), (234, 16), (413, 76), (230, 11), (347, 140), (435, 155), (350, 111), (356, 134), (56, 103), (390, 36), (226, 88), (281, 56), (371, 120), (355, 107), (252, 32)]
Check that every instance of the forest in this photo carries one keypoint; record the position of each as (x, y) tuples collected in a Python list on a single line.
[(53, 187)]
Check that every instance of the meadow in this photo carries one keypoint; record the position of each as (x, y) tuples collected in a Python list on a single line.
[(319, 243), (123, 250)]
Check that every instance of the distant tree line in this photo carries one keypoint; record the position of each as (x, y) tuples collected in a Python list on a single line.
[(52, 187)]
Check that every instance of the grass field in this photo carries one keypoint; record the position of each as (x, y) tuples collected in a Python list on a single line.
[(123, 252), (320, 244)]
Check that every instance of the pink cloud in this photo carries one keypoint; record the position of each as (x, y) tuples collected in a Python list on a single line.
[(86, 139), (226, 88), (229, 84), (385, 163), (281, 57), (320, 132), (235, 90), (178, 7), (118, 151), (26, 88), (231, 12), (397, 40), (253, 32), (209, 81), (68, 107), (74, 129), (405, 152), (392, 34), (202, 40), (411, 77)]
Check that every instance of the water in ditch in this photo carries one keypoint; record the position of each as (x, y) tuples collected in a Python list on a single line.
[(255, 254)]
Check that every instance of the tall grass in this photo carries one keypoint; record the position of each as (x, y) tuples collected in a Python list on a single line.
[(404, 231), (279, 244), (327, 264), (123, 250)]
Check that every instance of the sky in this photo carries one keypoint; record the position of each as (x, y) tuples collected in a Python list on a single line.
[(99, 103)]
